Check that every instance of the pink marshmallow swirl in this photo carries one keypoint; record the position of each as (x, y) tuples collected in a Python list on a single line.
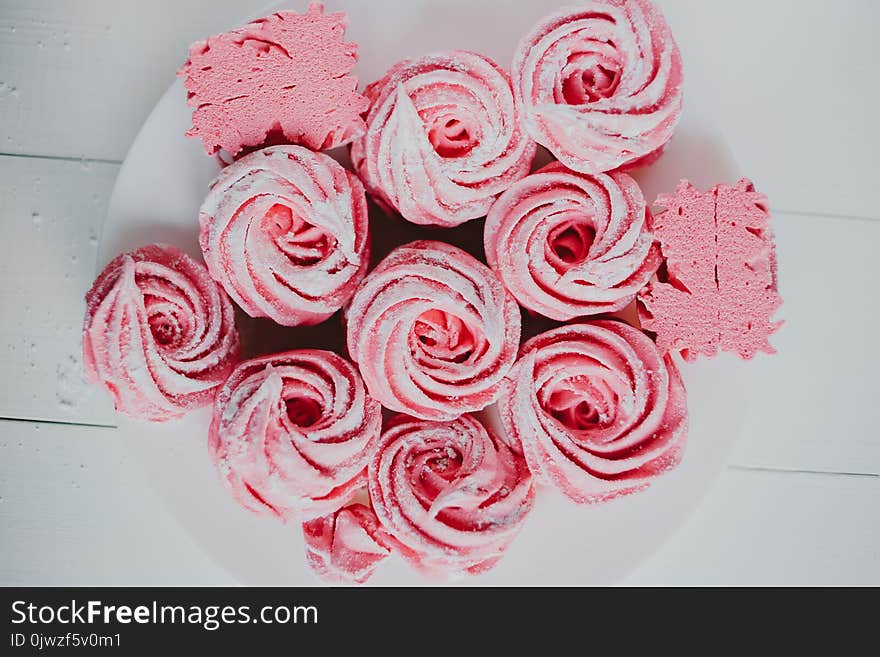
[(291, 433), (159, 334), (433, 331), (452, 494), (568, 244), (444, 137), (285, 231), (346, 546), (600, 84), (596, 409)]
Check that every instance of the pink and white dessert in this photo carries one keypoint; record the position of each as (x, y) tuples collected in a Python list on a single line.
[(719, 289), (287, 73), (568, 244), (159, 333), (444, 137), (596, 409), (451, 493), (346, 546), (433, 331), (600, 83), (285, 231), (291, 433)]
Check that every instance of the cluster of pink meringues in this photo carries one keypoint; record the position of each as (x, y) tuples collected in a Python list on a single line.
[(592, 408)]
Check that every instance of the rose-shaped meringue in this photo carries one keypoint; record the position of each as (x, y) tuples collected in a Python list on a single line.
[(159, 333), (568, 244), (452, 494), (292, 433), (285, 231), (433, 331), (600, 84), (346, 546), (444, 137), (596, 410)]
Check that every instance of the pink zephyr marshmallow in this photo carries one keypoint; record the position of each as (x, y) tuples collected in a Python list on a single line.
[(286, 73), (600, 84), (719, 289), (346, 546), (444, 137), (568, 244), (291, 433), (159, 334), (596, 409), (452, 494)]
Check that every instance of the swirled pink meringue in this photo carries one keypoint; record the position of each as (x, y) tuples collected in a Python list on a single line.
[(600, 84), (346, 546), (291, 433), (285, 231), (159, 334), (433, 331), (568, 244), (595, 409), (444, 137), (451, 493)]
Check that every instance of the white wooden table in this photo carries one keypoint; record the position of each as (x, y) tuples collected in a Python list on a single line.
[(794, 84)]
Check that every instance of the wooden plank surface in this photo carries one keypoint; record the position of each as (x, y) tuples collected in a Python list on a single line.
[(77, 79), (52, 212), (770, 528), (811, 401), (793, 83), (808, 408), (76, 509)]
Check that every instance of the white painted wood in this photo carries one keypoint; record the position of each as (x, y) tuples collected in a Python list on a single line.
[(772, 528), (77, 78), (813, 400), (794, 83), (51, 213), (808, 411), (75, 509), (795, 86)]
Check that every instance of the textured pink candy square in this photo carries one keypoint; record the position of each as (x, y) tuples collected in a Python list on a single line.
[(287, 73), (719, 290)]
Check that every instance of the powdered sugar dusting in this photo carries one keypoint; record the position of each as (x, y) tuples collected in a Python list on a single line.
[(291, 433), (451, 494), (159, 334), (600, 84), (286, 232), (444, 137), (568, 244), (433, 331), (596, 410)]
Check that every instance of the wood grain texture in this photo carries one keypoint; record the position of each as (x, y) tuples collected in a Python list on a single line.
[(793, 83), (772, 528), (810, 407), (78, 78), (51, 212), (90, 517), (76, 510)]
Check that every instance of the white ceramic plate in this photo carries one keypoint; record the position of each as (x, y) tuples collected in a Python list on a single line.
[(156, 199)]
